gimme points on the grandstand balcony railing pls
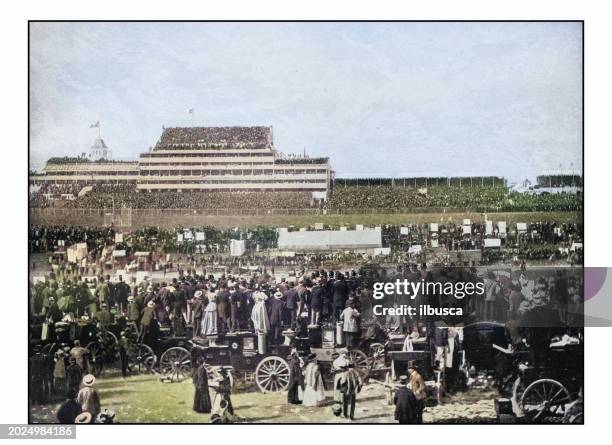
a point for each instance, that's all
(136, 212)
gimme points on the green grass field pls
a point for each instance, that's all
(169, 219)
(145, 399)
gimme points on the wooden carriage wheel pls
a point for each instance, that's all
(544, 398)
(272, 374)
(110, 338)
(141, 358)
(175, 364)
(378, 355)
(361, 362)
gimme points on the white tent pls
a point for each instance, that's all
(330, 240)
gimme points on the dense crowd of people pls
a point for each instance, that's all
(394, 198)
(126, 196)
(45, 194)
(209, 306)
(559, 180)
(214, 137)
(477, 198)
(536, 241)
(423, 181)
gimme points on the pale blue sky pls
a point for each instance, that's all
(380, 99)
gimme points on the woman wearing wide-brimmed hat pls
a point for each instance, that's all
(88, 397)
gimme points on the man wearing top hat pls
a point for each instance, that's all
(276, 313)
(405, 403)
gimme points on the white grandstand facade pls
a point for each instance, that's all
(200, 159)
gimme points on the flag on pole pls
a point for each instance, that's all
(96, 125)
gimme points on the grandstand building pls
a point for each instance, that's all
(198, 159)
(228, 158)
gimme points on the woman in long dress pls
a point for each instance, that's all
(209, 323)
(201, 399)
(259, 314)
(314, 393)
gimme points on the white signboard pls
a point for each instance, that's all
(502, 227)
(433, 227)
(283, 229)
(179, 238)
(118, 237)
(467, 222)
(489, 227)
(382, 251)
(302, 229)
(434, 243)
(118, 253)
(404, 231)
(359, 227)
(343, 229)
(200, 236)
(77, 252)
(415, 249)
(318, 226)
(188, 235)
(467, 230)
(237, 247)
(575, 246)
(492, 242)
(521, 227)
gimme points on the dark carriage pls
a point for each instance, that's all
(64, 333)
(239, 353)
(102, 344)
(478, 341)
(546, 385)
(369, 354)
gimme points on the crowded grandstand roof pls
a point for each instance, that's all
(215, 137)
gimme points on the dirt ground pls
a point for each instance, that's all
(145, 399)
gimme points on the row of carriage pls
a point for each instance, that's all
(539, 392)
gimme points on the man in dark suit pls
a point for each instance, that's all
(122, 292)
(340, 295)
(291, 303)
(197, 310)
(405, 403)
(316, 302)
(276, 311)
